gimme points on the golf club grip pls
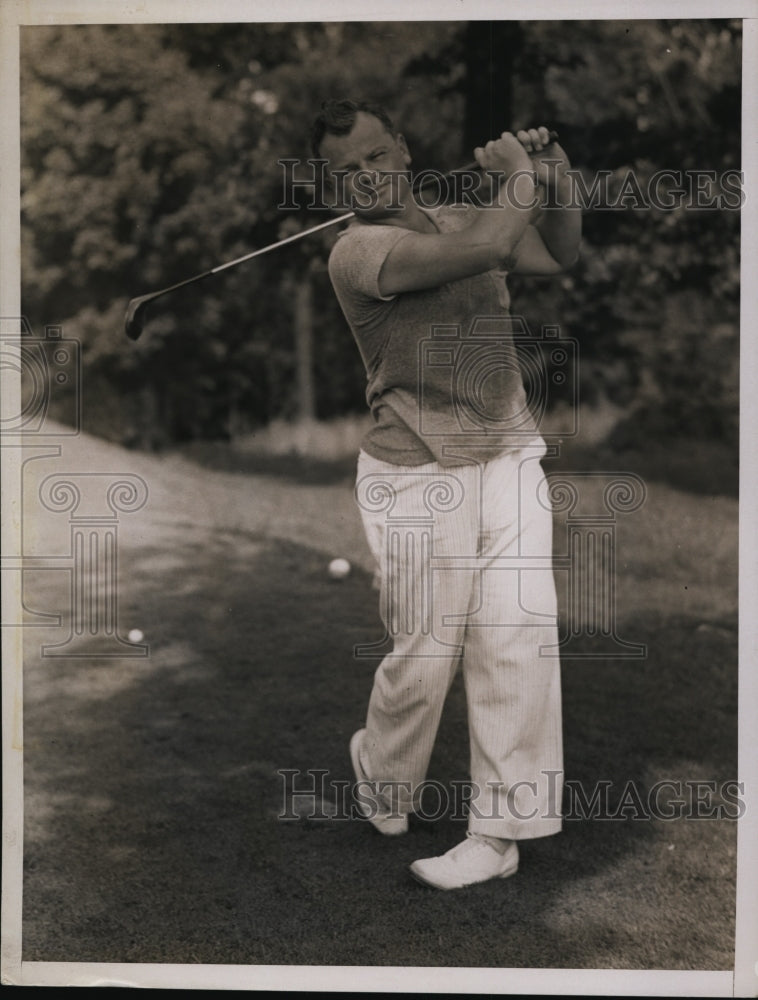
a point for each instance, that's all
(475, 165)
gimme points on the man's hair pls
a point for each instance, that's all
(338, 118)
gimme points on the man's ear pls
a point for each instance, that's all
(400, 140)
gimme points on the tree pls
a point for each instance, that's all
(655, 299)
(150, 153)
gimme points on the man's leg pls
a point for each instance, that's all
(430, 512)
(512, 688)
(513, 692)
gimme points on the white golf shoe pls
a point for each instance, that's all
(472, 861)
(370, 803)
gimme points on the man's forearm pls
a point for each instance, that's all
(503, 226)
(561, 226)
(426, 260)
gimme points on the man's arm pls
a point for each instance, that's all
(426, 260)
(551, 245)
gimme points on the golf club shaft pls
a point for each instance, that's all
(262, 250)
(135, 308)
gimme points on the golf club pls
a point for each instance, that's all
(135, 311)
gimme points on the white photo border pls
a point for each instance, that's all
(743, 981)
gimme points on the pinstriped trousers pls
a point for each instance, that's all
(465, 576)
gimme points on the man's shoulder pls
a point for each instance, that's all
(365, 240)
(450, 217)
(345, 243)
(358, 256)
(359, 231)
(366, 229)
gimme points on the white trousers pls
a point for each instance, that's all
(464, 559)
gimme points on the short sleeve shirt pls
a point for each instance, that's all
(443, 378)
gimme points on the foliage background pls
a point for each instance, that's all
(150, 154)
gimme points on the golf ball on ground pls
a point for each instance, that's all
(339, 569)
(135, 635)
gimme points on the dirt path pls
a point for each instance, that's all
(182, 499)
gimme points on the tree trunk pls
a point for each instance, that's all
(303, 322)
(491, 48)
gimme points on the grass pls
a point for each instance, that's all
(153, 786)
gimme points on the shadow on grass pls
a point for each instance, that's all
(224, 457)
(154, 794)
(707, 468)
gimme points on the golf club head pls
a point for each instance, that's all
(135, 317)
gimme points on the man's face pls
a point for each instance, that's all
(367, 168)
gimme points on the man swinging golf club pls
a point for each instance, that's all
(424, 292)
